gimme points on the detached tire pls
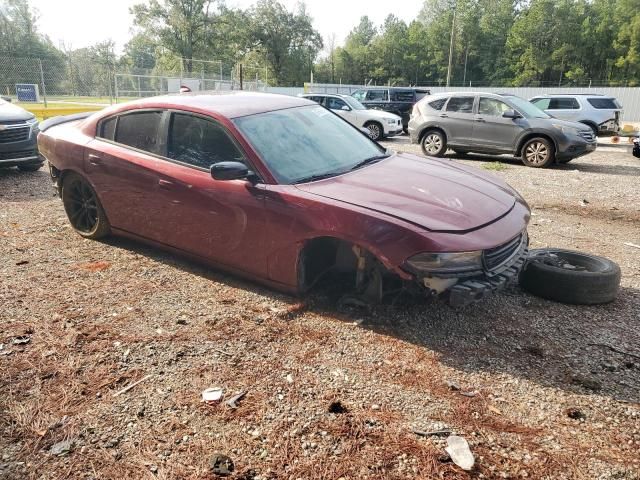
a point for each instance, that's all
(83, 208)
(569, 276)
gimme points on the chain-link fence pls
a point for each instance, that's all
(78, 77)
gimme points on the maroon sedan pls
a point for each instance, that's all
(283, 191)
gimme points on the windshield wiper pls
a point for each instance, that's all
(367, 161)
(320, 176)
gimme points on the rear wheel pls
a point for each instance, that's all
(538, 153)
(83, 208)
(30, 167)
(375, 130)
(434, 143)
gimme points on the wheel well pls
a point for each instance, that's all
(590, 124)
(369, 122)
(535, 135)
(431, 129)
(322, 255)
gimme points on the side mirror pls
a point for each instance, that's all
(345, 108)
(230, 171)
(511, 114)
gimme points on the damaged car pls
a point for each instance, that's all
(282, 191)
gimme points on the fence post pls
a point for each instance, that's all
(115, 81)
(44, 87)
(241, 77)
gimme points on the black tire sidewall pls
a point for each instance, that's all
(102, 227)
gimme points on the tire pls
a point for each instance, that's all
(33, 167)
(434, 143)
(83, 208)
(590, 281)
(538, 153)
(376, 132)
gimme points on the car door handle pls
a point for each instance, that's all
(94, 159)
(166, 184)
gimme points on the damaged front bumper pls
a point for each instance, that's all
(501, 267)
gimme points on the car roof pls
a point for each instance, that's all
(548, 95)
(228, 104)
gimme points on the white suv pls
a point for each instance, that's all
(380, 124)
(603, 114)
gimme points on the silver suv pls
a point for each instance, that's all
(602, 114)
(496, 124)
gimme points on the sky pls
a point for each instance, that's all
(80, 23)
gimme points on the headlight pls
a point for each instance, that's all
(446, 262)
(570, 130)
(391, 121)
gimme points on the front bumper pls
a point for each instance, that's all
(573, 146)
(392, 129)
(23, 152)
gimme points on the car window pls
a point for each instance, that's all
(438, 104)
(420, 94)
(140, 130)
(563, 104)
(460, 104)
(200, 142)
(541, 103)
(378, 95)
(492, 107)
(603, 103)
(403, 96)
(359, 95)
(315, 98)
(108, 128)
(335, 103)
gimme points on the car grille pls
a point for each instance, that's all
(496, 257)
(587, 135)
(17, 154)
(14, 134)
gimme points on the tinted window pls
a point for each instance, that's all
(438, 104)
(403, 96)
(359, 95)
(563, 104)
(108, 128)
(377, 95)
(315, 99)
(541, 103)
(603, 103)
(492, 107)
(335, 103)
(460, 104)
(140, 130)
(200, 142)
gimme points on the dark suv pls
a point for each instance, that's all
(18, 133)
(397, 100)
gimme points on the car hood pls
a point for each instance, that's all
(433, 194)
(12, 113)
(380, 114)
(549, 122)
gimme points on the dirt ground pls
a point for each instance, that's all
(539, 389)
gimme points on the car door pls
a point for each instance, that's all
(221, 220)
(340, 107)
(564, 108)
(121, 163)
(457, 118)
(377, 99)
(491, 129)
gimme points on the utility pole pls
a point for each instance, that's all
(453, 27)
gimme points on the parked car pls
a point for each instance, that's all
(280, 190)
(18, 132)
(379, 124)
(603, 114)
(396, 100)
(496, 124)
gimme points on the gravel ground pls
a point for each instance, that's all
(533, 385)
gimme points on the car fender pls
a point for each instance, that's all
(431, 125)
(531, 132)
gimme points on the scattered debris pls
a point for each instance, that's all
(181, 321)
(453, 386)
(575, 414)
(422, 433)
(126, 389)
(472, 393)
(493, 409)
(94, 266)
(22, 262)
(232, 402)
(61, 448)
(337, 407)
(221, 465)
(22, 340)
(223, 352)
(459, 451)
(290, 378)
(629, 244)
(584, 203)
(212, 395)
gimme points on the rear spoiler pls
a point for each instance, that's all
(52, 122)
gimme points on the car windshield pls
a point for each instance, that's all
(528, 109)
(307, 143)
(353, 103)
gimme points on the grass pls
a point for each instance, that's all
(495, 166)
